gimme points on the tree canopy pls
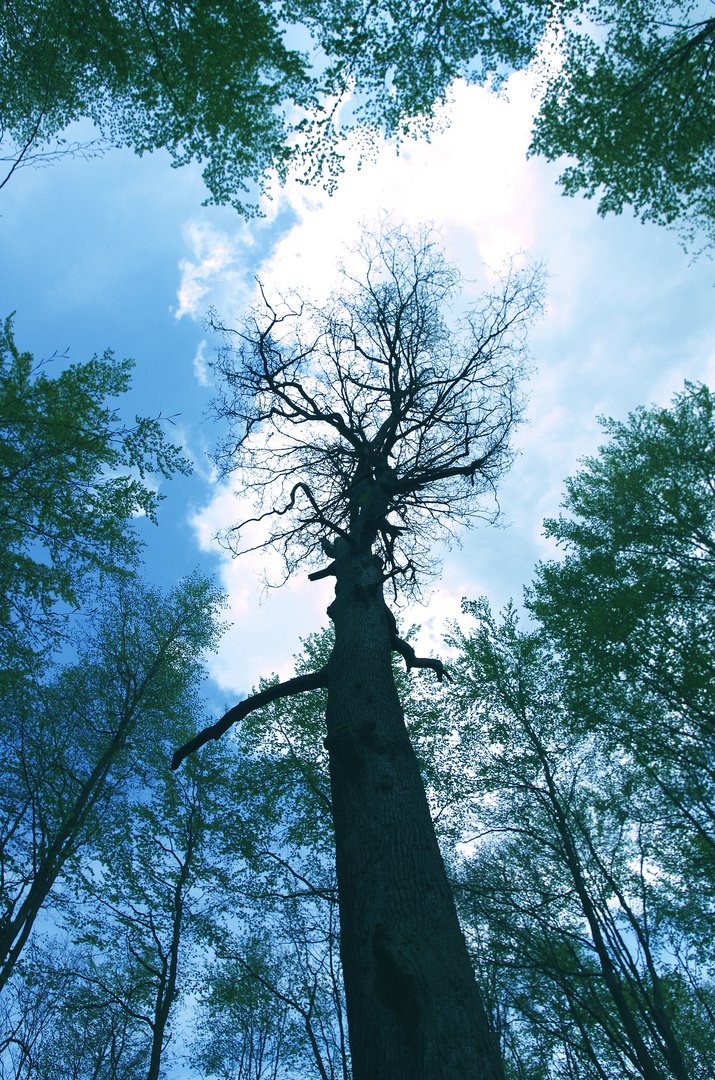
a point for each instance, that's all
(246, 88)
(630, 607)
(71, 741)
(72, 478)
(586, 913)
(631, 102)
(254, 90)
(632, 601)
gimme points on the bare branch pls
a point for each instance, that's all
(412, 660)
(392, 423)
(315, 680)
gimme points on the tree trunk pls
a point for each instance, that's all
(166, 990)
(16, 931)
(414, 1010)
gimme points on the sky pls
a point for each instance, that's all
(118, 252)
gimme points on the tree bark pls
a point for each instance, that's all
(414, 1010)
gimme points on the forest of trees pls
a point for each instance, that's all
(500, 864)
(154, 919)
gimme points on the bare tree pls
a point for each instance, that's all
(370, 429)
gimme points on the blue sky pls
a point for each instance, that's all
(118, 252)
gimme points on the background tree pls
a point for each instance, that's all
(639, 545)
(590, 890)
(630, 102)
(152, 896)
(370, 429)
(245, 1030)
(66, 1019)
(289, 889)
(579, 903)
(250, 89)
(72, 748)
(72, 477)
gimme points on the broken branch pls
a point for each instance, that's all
(315, 680)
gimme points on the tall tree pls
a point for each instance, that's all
(245, 1030)
(288, 885)
(250, 88)
(631, 604)
(371, 428)
(595, 742)
(575, 881)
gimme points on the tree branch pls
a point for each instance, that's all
(412, 660)
(327, 571)
(305, 488)
(315, 680)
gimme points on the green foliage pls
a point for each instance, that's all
(631, 102)
(630, 606)
(72, 477)
(640, 547)
(589, 892)
(251, 89)
(219, 82)
(576, 897)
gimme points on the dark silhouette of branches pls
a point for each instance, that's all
(374, 421)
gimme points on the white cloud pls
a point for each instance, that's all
(202, 371)
(214, 268)
(267, 624)
(472, 180)
(628, 317)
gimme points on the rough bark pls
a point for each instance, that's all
(413, 1005)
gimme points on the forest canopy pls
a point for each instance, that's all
(257, 90)
(631, 106)
(250, 88)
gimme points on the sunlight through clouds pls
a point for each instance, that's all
(471, 180)
(627, 318)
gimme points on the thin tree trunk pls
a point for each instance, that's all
(642, 1056)
(414, 1010)
(17, 930)
(166, 991)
